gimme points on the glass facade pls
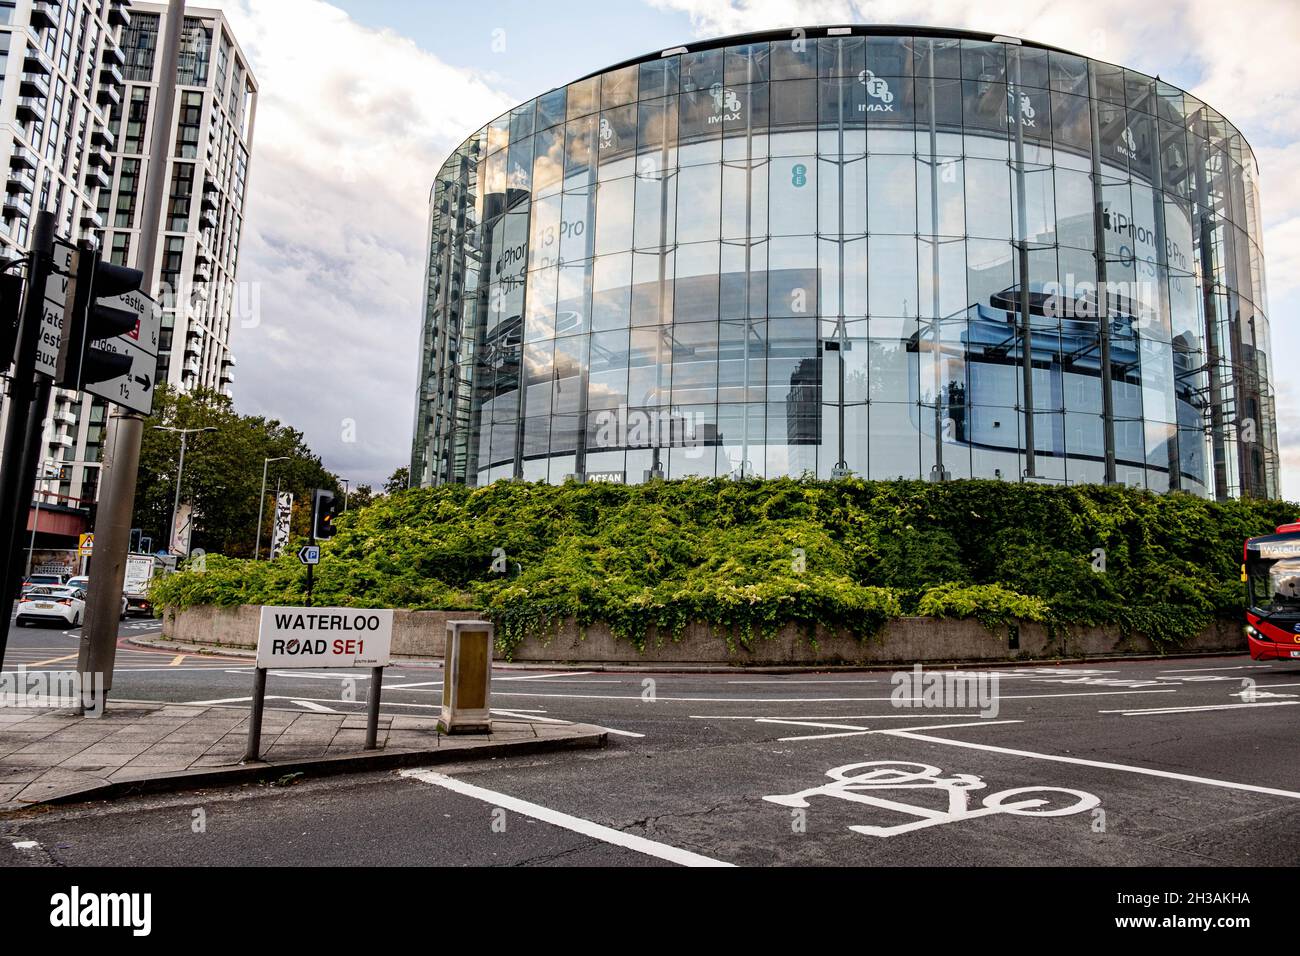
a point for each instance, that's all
(927, 256)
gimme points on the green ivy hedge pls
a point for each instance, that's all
(753, 555)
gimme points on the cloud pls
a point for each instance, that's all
(352, 125)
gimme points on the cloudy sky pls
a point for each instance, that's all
(361, 100)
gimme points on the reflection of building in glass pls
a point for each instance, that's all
(872, 252)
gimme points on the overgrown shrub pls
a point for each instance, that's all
(752, 555)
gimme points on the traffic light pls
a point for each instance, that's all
(324, 509)
(85, 356)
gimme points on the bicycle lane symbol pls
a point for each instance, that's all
(878, 776)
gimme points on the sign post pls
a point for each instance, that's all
(307, 637)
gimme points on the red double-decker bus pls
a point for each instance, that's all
(1271, 572)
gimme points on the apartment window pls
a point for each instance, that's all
(178, 208)
(188, 123)
(139, 44)
(137, 119)
(128, 183)
(196, 42)
(121, 251)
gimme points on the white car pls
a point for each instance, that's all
(48, 602)
(82, 582)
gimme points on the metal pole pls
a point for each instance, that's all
(937, 473)
(36, 523)
(1103, 293)
(17, 483)
(125, 428)
(372, 706)
(261, 505)
(1026, 330)
(255, 716)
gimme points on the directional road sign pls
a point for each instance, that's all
(56, 301)
(309, 554)
(134, 389)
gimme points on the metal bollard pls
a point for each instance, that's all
(467, 678)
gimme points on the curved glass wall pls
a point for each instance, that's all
(834, 255)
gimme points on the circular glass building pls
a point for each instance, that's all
(886, 252)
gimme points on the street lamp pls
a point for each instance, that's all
(346, 485)
(185, 433)
(45, 475)
(261, 503)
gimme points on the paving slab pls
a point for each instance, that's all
(62, 756)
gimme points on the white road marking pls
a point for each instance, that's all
(1099, 764)
(596, 831)
(312, 705)
(832, 717)
(1206, 670)
(1191, 710)
(784, 700)
(521, 715)
(544, 676)
(26, 845)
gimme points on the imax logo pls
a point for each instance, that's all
(76, 909)
(877, 89)
(726, 104)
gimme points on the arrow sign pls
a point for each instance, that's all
(309, 554)
(133, 388)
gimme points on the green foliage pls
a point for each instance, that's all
(750, 556)
(991, 604)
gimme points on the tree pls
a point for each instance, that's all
(399, 480)
(223, 472)
(360, 496)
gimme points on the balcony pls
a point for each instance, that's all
(90, 219)
(98, 177)
(193, 342)
(44, 15)
(109, 95)
(28, 110)
(112, 55)
(111, 75)
(103, 136)
(22, 158)
(16, 206)
(117, 14)
(34, 87)
(37, 61)
(63, 441)
(202, 273)
(209, 220)
(210, 200)
(98, 156)
(21, 181)
(201, 254)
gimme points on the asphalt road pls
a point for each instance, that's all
(1171, 762)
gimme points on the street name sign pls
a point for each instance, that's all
(309, 554)
(324, 637)
(52, 308)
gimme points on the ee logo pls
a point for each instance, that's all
(799, 175)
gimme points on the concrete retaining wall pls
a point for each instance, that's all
(905, 640)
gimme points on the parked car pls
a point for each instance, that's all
(46, 603)
(32, 580)
(82, 582)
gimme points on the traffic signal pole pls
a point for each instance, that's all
(98, 648)
(23, 417)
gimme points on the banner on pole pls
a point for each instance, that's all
(280, 532)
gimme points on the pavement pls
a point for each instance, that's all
(1168, 762)
(57, 755)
